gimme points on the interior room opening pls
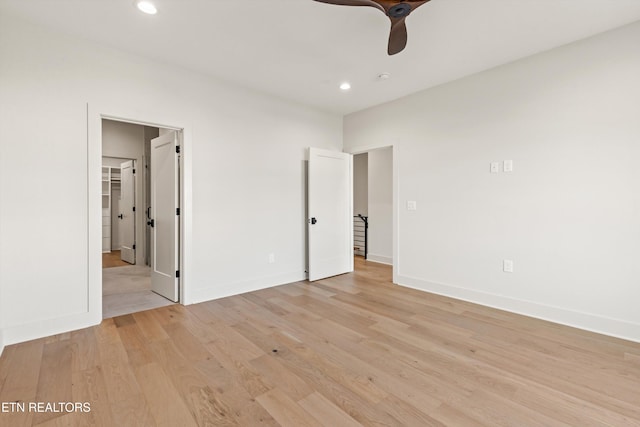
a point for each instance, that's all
(373, 207)
(126, 232)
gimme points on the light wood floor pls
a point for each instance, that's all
(112, 259)
(346, 351)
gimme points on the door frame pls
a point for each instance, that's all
(395, 208)
(95, 113)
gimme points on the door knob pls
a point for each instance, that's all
(120, 216)
(313, 221)
(151, 222)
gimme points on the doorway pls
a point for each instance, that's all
(373, 201)
(127, 285)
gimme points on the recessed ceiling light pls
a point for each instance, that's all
(147, 7)
(345, 86)
(384, 76)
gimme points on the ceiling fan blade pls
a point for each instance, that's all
(397, 37)
(370, 3)
(396, 10)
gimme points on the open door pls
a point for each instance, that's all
(330, 207)
(164, 216)
(127, 216)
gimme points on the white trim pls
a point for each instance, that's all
(96, 113)
(577, 319)
(380, 259)
(395, 261)
(395, 213)
(47, 327)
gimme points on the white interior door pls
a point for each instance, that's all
(330, 208)
(127, 227)
(164, 220)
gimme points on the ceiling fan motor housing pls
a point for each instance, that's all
(400, 10)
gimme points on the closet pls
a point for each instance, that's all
(110, 184)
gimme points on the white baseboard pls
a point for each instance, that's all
(380, 259)
(236, 288)
(44, 328)
(587, 321)
(26, 332)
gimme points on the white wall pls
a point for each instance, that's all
(243, 175)
(380, 198)
(360, 184)
(127, 141)
(1, 324)
(1, 268)
(569, 213)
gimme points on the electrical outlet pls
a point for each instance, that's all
(507, 266)
(495, 167)
(272, 258)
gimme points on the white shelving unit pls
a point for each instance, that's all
(110, 175)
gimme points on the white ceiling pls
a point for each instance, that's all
(301, 49)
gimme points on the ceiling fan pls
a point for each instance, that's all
(396, 10)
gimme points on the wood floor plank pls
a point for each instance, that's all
(65, 420)
(239, 368)
(84, 350)
(326, 412)
(181, 371)
(275, 373)
(22, 366)
(113, 259)
(89, 387)
(189, 346)
(285, 411)
(118, 373)
(210, 409)
(348, 350)
(450, 416)
(407, 413)
(54, 381)
(126, 401)
(358, 377)
(151, 329)
(136, 345)
(355, 405)
(244, 407)
(165, 403)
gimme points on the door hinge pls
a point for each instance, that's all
(177, 274)
(134, 246)
(178, 149)
(134, 208)
(177, 211)
(134, 171)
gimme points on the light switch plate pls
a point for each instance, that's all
(412, 205)
(508, 165)
(507, 266)
(495, 167)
